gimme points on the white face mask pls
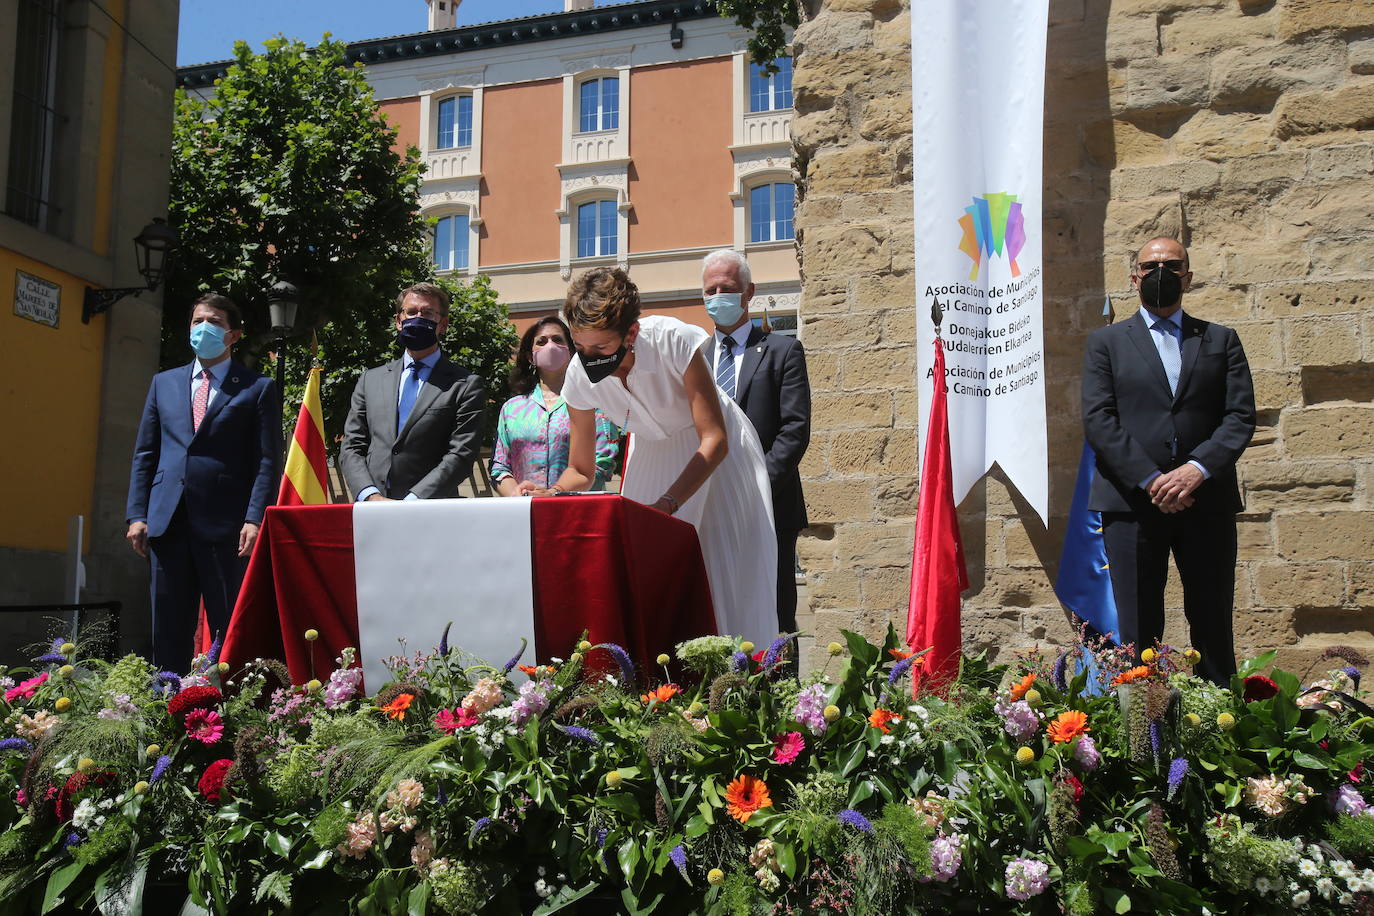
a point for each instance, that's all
(725, 309)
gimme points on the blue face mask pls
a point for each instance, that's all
(207, 340)
(725, 309)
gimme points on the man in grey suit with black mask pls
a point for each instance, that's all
(415, 424)
(1168, 406)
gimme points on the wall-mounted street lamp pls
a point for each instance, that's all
(153, 248)
(675, 35)
(282, 301)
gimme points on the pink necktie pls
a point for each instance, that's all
(201, 401)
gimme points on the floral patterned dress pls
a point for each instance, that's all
(532, 441)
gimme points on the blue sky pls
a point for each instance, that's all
(209, 28)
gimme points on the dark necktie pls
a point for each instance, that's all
(725, 369)
(410, 391)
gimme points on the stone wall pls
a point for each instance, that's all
(1243, 127)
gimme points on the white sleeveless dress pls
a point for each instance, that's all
(733, 509)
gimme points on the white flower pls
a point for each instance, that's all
(1343, 868)
(1345, 899)
(84, 815)
(1308, 869)
(1354, 883)
(1315, 852)
(1301, 898)
(1262, 885)
(886, 739)
(1326, 887)
(542, 889)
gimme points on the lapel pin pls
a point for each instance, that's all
(758, 349)
(234, 379)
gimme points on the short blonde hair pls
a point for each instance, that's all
(602, 299)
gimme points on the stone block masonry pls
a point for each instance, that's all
(1241, 126)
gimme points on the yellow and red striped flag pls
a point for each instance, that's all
(305, 480)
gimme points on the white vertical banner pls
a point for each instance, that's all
(978, 90)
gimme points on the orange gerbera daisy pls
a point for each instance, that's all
(1134, 674)
(1020, 689)
(746, 795)
(880, 717)
(1067, 726)
(396, 709)
(662, 694)
(900, 654)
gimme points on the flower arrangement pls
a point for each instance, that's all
(590, 785)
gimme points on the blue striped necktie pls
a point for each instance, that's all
(725, 369)
(1169, 351)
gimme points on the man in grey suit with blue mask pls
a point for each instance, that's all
(765, 373)
(206, 466)
(414, 425)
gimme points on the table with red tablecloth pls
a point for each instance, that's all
(623, 572)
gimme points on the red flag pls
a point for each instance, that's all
(938, 573)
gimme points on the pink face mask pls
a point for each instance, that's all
(552, 357)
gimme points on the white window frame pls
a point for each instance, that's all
(436, 102)
(767, 181)
(772, 89)
(444, 210)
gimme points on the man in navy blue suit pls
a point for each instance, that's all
(1169, 407)
(765, 373)
(205, 469)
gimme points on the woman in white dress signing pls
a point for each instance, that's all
(693, 452)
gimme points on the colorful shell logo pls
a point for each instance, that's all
(993, 225)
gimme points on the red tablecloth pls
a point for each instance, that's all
(626, 573)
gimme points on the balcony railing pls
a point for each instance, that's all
(762, 127)
(451, 163)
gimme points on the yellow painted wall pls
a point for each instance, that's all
(49, 411)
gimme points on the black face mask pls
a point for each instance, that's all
(419, 334)
(1161, 288)
(598, 367)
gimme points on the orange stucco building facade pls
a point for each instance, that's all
(635, 134)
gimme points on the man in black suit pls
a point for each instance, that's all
(766, 375)
(1168, 406)
(206, 466)
(415, 424)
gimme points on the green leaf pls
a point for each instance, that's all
(1117, 900)
(417, 904)
(278, 843)
(628, 857)
(787, 859)
(58, 882)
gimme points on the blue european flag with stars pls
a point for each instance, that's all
(1084, 584)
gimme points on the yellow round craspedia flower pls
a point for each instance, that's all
(63, 704)
(1192, 656)
(663, 658)
(68, 649)
(153, 750)
(1193, 719)
(576, 658)
(312, 635)
(746, 646)
(1226, 721)
(222, 667)
(1149, 656)
(1025, 756)
(313, 685)
(86, 765)
(141, 787)
(66, 671)
(831, 713)
(834, 648)
(614, 779)
(696, 708)
(1033, 698)
(584, 646)
(715, 877)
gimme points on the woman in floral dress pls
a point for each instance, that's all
(532, 433)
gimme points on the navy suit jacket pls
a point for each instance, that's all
(1132, 420)
(775, 393)
(227, 471)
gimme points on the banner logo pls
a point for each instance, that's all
(993, 225)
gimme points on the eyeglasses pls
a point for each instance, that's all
(427, 314)
(1175, 265)
(554, 338)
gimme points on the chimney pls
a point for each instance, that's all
(570, 5)
(443, 14)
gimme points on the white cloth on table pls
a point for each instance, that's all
(733, 509)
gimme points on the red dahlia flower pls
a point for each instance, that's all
(1259, 687)
(211, 784)
(193, 698)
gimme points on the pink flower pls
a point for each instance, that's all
(787, 747)
(26, 689)
(204, 725)
(450, 721)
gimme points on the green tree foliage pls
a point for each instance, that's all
(769, 20)
(288, 171)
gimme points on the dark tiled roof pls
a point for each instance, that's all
(547, 27)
